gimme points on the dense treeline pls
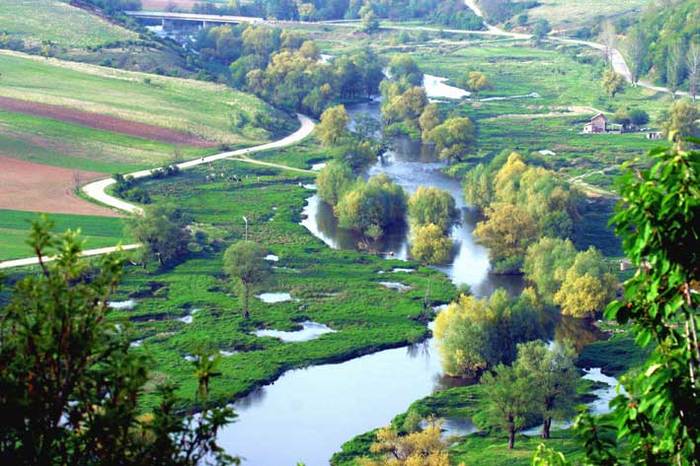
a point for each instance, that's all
(665, 44)
(286, 70)
(452, 13)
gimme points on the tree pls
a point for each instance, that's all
(453, 137)
(372, 206)
(244, 261)
(432, 205)
(674, 68)
(540, 30)
(333, 125)
(636, 52)
(507, 232)
(693, 65)
(475, 334)
(71, 387)
(613, 82)
(425, 447)
(508, 397)
(478, 186)
(608, 36)
(429, 244)
(162, 231)
(429, 119)
(546, 263)
(587, 286)
(681, 122)
(403, 68)
(333, 181)
(477, 82)
(553, 378)
(368, 19)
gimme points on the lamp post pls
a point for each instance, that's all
(245, 219)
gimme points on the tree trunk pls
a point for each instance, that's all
(546, 426)
(511, 436)
(246, 298)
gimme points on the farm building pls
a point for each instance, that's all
(598, 124)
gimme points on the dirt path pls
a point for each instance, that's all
(97, 189)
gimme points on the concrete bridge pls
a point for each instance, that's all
(167, 18)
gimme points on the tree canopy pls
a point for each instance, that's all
(71, 386)
(244, 262)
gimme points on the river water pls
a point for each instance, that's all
(307, 414)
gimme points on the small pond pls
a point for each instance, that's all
(309, 331)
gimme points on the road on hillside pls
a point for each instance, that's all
(96, 190)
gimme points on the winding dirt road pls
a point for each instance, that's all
(96, 189)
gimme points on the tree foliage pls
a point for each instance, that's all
(430, 244)
(71, 387)
(372, 206)
(244, 262)
(162, 231)
(552, 380)
(432, 205)
(333, 125)
(475, 334)
(453, 138)
(333, 181)
(508, 398)
(612, 82)
(425, 447)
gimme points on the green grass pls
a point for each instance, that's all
(566, 14)
(331, 286)
(203, 109)
(68, 145)
(616, 355)
(97, 231)
(35, 21)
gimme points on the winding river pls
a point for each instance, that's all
(307, 414)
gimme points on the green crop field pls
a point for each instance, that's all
(35, 21)
(96, 231)
(68, 145)
(566, 14)
(210, 111)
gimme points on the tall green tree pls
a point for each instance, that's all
(162, 230)
(613, 83)
(244, 262)
(552, 383)
(333, 125)
(334, 180)
(509, 399)
(546, 263)
(432, 205)
(453, 138)
(71, 388)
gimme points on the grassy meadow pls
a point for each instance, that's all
(36, 21)
(564, 14)
(210, 111)
(96, 231)
(68, 145)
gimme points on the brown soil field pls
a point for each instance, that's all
(103, 122)
(41, 188)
